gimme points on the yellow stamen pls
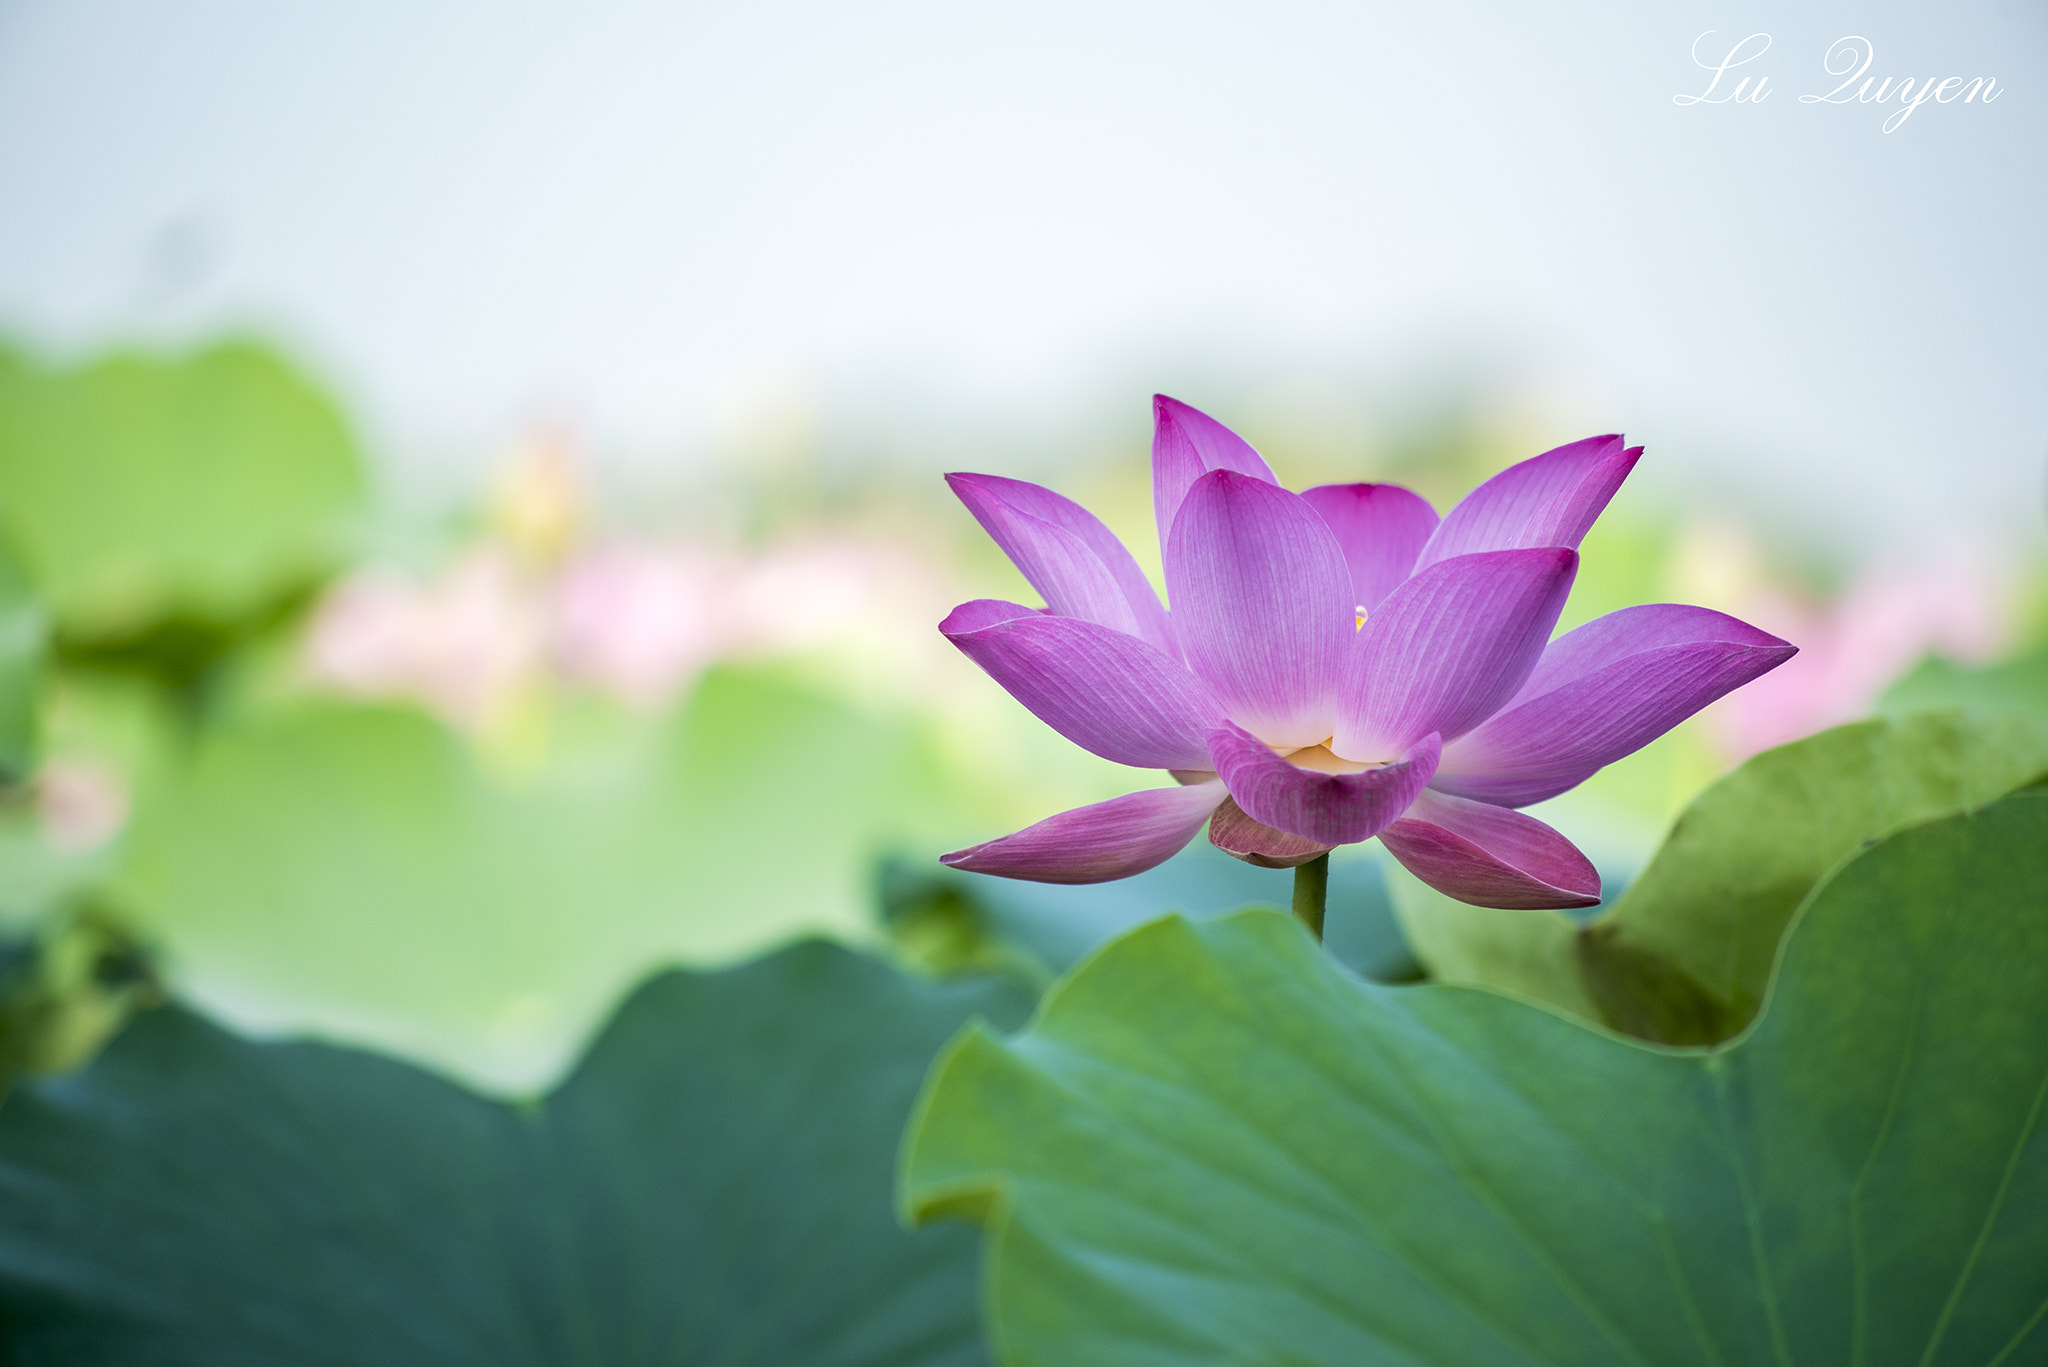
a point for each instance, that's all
(1359, 625)
(1323, 760)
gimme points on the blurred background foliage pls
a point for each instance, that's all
(449, 784)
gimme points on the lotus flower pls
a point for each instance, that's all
(1338, 665)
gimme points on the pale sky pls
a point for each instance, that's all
(957, 227)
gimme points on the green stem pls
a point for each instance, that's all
(1311, 890)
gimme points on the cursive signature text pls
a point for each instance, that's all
(1848, 60)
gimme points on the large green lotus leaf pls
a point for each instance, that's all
(141, 488)
(711, 1185)
(1684, 956)
(367, 872)
(1214, 1145)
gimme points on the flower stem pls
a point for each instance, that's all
(1311, 890)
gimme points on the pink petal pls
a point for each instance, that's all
(985, 612)
(1449, 647)
(1547, 500)
(1602, 692)
(1332, 808)
(1490, 856)
(1186, 444)
(1262, 604)
(1382, 528)
(1237, 835)
(1096, 844)
(1599, 643)
(1066, 553)
(1109, 693)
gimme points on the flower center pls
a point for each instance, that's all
(1360, 614)
(1323, 760)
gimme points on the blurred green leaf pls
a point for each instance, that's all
(2019, 685)
(1684, 956)
(143, 491)
(23, 629)
(1214, 1146)
(369, 871)
(104, 742)
(710, 1185)
(1529, 954)
(65, 990)
(968, 918)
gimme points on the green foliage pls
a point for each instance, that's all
(1530, 954)
(376, 873)
(2019, 685)
(950, 918)
(710, 1185)
(23, 629)
(176, 496)
(1214, 1145)
(104, 741)
(63, 992)
(1684, 956)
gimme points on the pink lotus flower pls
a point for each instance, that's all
(1338, 665)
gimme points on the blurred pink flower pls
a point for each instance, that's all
(81, 804)
(460, 644)
(1854, 646)
(642, 621)
(797, 597)
(638, 621)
